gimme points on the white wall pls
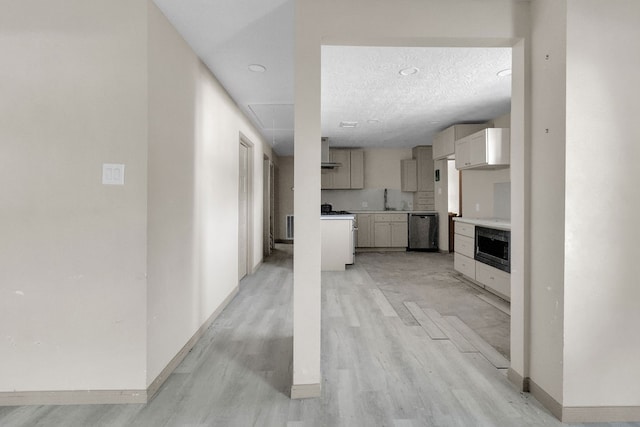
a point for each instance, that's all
(503, 121)
(362, 22)
(306, 251)
(453, 184)
(194, 136)
(73, 251)
(478, 186)
(111, 82)
(547, 237)
(601, 273)
(442, 196)
(478, 191)
(285, 194)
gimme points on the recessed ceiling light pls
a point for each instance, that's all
(373, 121)
(408, 71)
(348, 124)
(504, 73)
(257, 68)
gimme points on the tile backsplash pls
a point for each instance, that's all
(355, 200)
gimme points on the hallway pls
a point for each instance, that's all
(377, 370)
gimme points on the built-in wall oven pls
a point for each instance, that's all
(493, 247)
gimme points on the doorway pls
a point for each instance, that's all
(243, 210)
(268, 213)
(420, 123)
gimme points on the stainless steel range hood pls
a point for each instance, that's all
(326, 164)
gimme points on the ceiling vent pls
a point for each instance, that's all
(348, 125)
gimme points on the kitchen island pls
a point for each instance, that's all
(338, 241)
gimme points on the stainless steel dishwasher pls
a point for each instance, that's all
(423, 231)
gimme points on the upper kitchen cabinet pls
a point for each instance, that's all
(350, 172)
(424, 166)
(423, 198)
(409, 175)
(487, 149)
(444, 142)
(357, 169)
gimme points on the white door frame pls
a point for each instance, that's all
(244, 142)
(267, 205)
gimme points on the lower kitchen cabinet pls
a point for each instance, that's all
(400, 234)
(364, 222)
(463, 261)
(390, 230)
(383, 230)
(493, 279)
(382, 234)
(337, 243)
(464, 245)
(465, 265)
(490, 278)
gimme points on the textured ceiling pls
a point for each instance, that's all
(451, 85)
(358, 83)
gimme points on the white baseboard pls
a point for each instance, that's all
(601, 414)
(576, 414)
(305, 391)
(106, 397)
(518, 380)
(178, 358)
(72, 397)
(546, 399)
(256, 267)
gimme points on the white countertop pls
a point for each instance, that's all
(346, 216)
(500, 224)
(392, 211)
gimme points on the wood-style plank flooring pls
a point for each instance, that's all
(377, 369)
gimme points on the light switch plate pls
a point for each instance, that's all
(112, 174)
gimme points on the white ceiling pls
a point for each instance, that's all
(358, 83)
(451, 85)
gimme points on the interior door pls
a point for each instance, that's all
(272, 205)
(266, 209)
(243, 211)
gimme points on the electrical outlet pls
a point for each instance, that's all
(477, 207)
(365, 204)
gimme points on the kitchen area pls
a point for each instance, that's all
(408, 218)
(426, 222)
(378, 218)
(429, 228)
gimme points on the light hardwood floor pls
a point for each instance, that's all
(377, 370)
